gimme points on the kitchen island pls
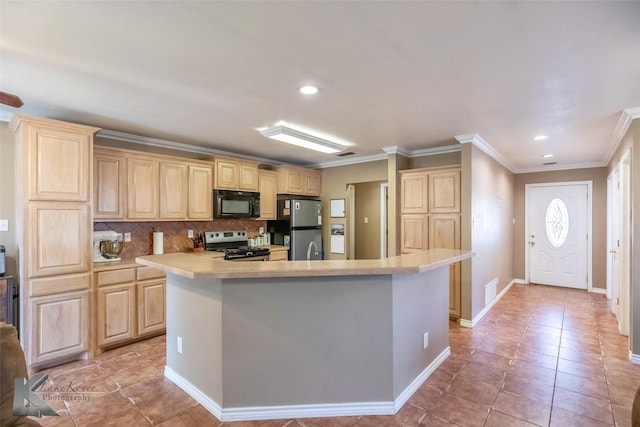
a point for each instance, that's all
(285, 339)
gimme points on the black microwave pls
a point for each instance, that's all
(236, 204)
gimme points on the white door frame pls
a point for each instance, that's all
(384, 190)
(527, 248)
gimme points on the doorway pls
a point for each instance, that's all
(619, 243)
(367, 220)
(558, 234)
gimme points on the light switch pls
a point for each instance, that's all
(4, 225)
(366, 220)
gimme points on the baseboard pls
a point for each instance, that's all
(634, 358)
(305, 411)
(420, 379)
(598, 291)
(472, 323)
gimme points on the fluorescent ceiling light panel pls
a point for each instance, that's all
(540, 137)
(302, 139)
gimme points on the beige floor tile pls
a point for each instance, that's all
(161, 407)
(523, 408)
(592, 387)
(461, 411)
(474, 390)
(498, 419)
(528, 387)
(563, 418)
(598, 409)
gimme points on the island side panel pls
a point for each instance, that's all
(194, 313)
(308, 340)
(420, 304)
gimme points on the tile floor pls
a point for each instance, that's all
(542, 356)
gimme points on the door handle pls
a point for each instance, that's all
(532, 243)
(613, 251)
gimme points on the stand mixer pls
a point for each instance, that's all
(99, 236)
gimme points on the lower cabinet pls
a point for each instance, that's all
(130, 305)
(60, 326)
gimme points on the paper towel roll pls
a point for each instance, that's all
(158, 244)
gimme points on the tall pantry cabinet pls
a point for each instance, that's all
(430, 217)
(53, 223)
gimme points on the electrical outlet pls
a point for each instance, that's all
(190, 234)
(127, 237)
(366, 220)
(4, 225)
(180, 345)
(425, 340)
(261, 230)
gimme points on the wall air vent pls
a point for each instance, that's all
(550, 163)
(348, 153)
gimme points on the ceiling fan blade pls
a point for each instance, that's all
(11, 100)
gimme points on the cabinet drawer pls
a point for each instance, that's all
(56, 284)
(113, 277)
(279, 256)
(146, 273)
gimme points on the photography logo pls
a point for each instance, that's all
(26, 402)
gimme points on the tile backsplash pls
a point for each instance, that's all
(175, 233)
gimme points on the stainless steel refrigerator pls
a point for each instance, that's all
(301, 220)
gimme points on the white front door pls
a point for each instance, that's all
(558, 234)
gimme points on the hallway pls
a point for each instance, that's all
(542, 356)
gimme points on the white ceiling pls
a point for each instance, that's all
(389, 73)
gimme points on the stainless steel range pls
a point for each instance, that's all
(235, 245)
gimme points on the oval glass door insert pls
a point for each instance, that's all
(557, 222)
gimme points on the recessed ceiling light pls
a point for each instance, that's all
(540, 137)
(546, 156)
(309, 90)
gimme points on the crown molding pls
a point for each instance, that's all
(351, 161)
(627, 116)
(475, 139)
(553, 168)
(396, 149)
(173, 145)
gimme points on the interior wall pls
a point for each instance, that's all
(598, 176)
(444, 159)
(492, 229)
(367, 242)
(7, 197)
(334, 186)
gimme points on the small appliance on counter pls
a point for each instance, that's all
(235, 245)
(107, 246)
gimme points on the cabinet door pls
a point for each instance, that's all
(414, 193)
(59, 164)
(116, 313)
(444, 192)
(59, 325)
(268, 194)
(414, 232)
(312, 183)
(200, 192)
(291, 181)
(59, 238)
(226, 174)
(108, 186)
(151, 307)
(247, 177)
(142, 188)
(444, 231)
(174, 181)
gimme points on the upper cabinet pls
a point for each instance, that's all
(415, 191)
(294, 180)
(59, 160)
(142, 188)
(234, 174)
(445, 191)
(268, 186)
(134, 186)
(108, 185)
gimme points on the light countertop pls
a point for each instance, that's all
(131, 262)
(202, 265)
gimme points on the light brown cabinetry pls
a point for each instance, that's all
(54, 163)
(174, 190)
(130, 304)
(268, 187)
(131, 186)
(200, 192)
(108, 185)
(142, 188)
(233, 174)
(293, 180)
(430, 217)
